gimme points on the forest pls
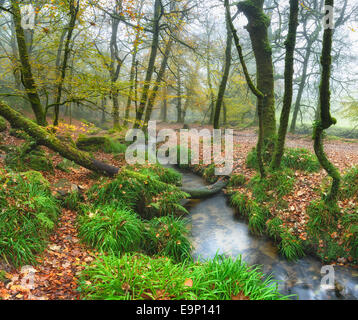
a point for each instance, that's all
(178, 150)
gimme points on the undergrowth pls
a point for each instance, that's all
(28, 215)
(138, 277)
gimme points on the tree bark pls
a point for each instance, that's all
(26, 72)
(223, 83)
(258, 24)
(325, 119)
(45, 138)
(287, 99)
(151, 63)
(73, 16)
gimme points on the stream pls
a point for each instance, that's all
(214, 229)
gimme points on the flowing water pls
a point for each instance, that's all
(215, 229)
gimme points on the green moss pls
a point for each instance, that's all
(350, 184)
(100, 143)
(3, 125)
(145, 194)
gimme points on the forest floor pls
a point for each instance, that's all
(54, 277)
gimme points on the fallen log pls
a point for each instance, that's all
(48, 139)
(207, 191)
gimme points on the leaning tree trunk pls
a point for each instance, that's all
(258, 24)
(325, 118)
(26, 72)
(45, 138)
(287, 99)
(73, 12)
(224, 79)
(151, 63)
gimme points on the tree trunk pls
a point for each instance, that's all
(160, 76)
(222, 87)
(257, 27)
(26, 72)
(325, 119)
(151, 63)
(73, 12)
(45, 138)
(287, 99)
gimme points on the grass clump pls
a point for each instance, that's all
(256, 214)
(349, 188)
(237, 180)
(167, 236)
(300, 159)
(28, 215)
(209, 174)
(333, 234)
(110, 228)
(276, 185)
(293, 158)
(139, 277)
(156, 171)
(144, 194)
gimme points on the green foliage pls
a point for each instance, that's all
(3, 125)
(257, 215)
(28, 215)
(65, 165)
(333, 234)
(156, 171)
(71, 201)
(167, 236)
(237, 180)
(274, 227)
(290, 246)
(18, 133)
(138, 277)
(300, 159)
(349, 188)
(276, 185)
(209, 174)
(19, 159)
(100, 143)
(293, 158)
(146, 195)
(110, 228)
(186, 163)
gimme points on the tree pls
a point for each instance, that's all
(287, 100)
(258, 24)
(226, 71)
(325, 119)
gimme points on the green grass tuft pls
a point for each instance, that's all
(167, 236)
(115, 229)
(138, 277)
(28, 215)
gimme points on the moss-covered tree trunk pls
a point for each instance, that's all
(151, 63)
(258, 24)
(224, 79)
(290, 45)
(71, 26)
(26, 72)
(45, 138)
(160, 76)
(260, 96)
(325, 118)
